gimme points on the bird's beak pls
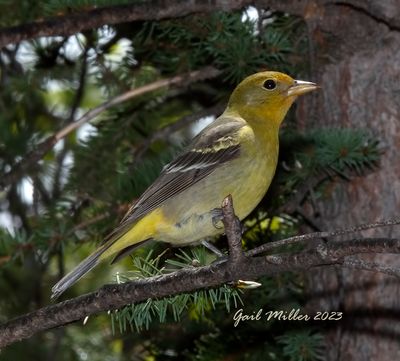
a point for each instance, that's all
(301, 87)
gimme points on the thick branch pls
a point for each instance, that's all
(146, 10)
(41, 149)
(157, 10)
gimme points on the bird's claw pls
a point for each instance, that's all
(217, 216)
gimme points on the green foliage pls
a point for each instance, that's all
(305, 345)
(27, 11)
(345, 149)
(12, 246)
(234, 47)
(331, 151)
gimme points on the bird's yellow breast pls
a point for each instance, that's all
(246, 178)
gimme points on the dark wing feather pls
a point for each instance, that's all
(211, 148)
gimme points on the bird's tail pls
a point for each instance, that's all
(119, 243)
(104, 251)
(78, 272)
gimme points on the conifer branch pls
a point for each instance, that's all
(72, 23)
(196, 75)
(111, 297)
(141, 11)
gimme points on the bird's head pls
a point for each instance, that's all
(267, 96)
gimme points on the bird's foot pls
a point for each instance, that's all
(217, 216)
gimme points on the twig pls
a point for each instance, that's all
(34, 156)
(197, 75)
(308, 220)
(327, 234)
(233, 231)
(89, 222)
(356, 263)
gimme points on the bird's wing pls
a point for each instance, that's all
(215, 145)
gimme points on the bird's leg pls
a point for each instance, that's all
(217, 217)
(212, 248)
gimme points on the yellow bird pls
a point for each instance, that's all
(237, 154)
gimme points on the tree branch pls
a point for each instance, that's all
(319, 235)
(236, 267)
(357, 263)
(233, 230)
(41, 149)
(147, 10)
(157, 10)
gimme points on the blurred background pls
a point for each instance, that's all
(338, 167)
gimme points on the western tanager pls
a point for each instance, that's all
(237, 154)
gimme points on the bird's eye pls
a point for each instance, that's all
(269, 84)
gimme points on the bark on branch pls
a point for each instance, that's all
(146, 10)
(157, 10)
(233, 230)
(236, 267)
